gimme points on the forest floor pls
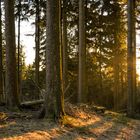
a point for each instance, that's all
(82, 123)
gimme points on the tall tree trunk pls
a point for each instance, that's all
(130, 59)
(19, 68)
(64, 44)
(53, 105)
(116, 65)
(82, 52)
(11, 75)
(100, 67)
(116, 78)
(37, 41)
(1, 58)
(134, 56)
(100, 55)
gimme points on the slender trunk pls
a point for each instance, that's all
(100, 69)
(82, 52)
(116, 65)
(100, 55)
(1, 59)
(62, 88)
(19, 68)
(64, 44)
(130, 59)
(117, 53)
(134, 57)
(116, 77)
(11, 75)
(37, 41)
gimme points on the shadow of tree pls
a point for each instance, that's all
(99, 129)
(19, 127)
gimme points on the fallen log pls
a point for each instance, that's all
(98, 109)
(31, 103)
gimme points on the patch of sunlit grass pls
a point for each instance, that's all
(117, 117)
(3, 116)
(78, 122)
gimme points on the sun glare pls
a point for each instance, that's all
(138, 68)
(138, 55)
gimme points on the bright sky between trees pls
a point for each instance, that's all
(27, 39)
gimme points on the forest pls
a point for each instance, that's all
(84, 82)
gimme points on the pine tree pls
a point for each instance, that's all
(1, 58)
(64, 44)
(131, 59)
(82, 52)
(53, 106)
(11, 74)
(37, 41)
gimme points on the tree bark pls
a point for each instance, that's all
(82, 53)
(134, 57)
(116, 77)
(37, 42)
(1, 58)
(64, 45)
(131, 59)
(11, 74)
(19, 67)
(53, 99)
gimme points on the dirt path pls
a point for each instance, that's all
(82, 125)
